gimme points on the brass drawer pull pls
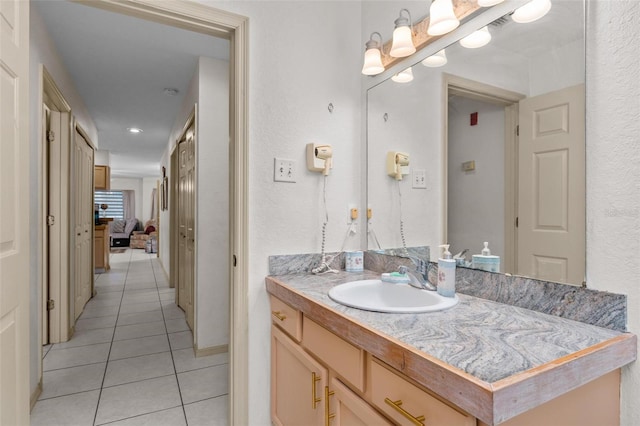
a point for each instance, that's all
(327, 416)
(278, 315)
(418, 421)
(314, 399)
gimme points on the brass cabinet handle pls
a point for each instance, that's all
(280, 316)
(418, 421)
(314, 399)
(327, 416)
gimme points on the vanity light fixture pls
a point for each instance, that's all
(531, 11)
(488, 3)
(403, 76)
(476, 39)
(402, 37)
(134, 130)
(372, 56)
(442, 19)
(436, 60)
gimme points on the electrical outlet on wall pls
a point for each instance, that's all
(284, 170)
(419, 179)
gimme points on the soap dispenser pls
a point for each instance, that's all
(446, 273)
(485, 261)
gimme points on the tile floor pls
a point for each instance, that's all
(130, 361)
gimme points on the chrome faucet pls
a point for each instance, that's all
(420, 277)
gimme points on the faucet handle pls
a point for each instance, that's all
(402, 269)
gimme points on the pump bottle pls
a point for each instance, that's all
(446, 273)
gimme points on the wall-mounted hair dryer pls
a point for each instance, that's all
(319, 158)
(395, 163)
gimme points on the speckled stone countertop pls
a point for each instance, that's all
(483, 345)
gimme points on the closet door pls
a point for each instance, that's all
(186, 224)
(82, 188)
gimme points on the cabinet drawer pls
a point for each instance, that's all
(341, 356)
(407, 404)
(287, 318)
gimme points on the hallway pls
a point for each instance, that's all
(130, 361)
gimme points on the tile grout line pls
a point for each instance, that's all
(106, 366)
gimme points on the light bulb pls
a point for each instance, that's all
(488, 3)
(531, 11)
(436, 60)
(442, 19)
(403, 76)
(476, 39)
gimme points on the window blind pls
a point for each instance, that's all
(114, 200)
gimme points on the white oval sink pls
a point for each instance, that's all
(379, 296)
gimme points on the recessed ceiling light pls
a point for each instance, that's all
(134, 130)
(169, 91)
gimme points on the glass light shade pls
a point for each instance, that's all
(476, 39)
(402, 43)
(531, 11)
(372, 62)
(403, 76)
(441, 18)
(488, 3)
(436, 60)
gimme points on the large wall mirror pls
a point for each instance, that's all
(496, 147)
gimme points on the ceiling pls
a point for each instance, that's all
(120, 66)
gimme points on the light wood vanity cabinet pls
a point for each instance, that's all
(101, 247)
(323, 381)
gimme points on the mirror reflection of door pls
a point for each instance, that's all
(522, 190)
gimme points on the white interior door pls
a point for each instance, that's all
(82, 182)
(186, 223)
(14, 212)
(551, 190)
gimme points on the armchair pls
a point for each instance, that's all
(139, 238)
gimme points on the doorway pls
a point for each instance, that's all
(210, 21)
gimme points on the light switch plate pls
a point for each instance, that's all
(284, 170)
(419, 179)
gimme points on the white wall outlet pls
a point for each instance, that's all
(284, 170)
(419, 179)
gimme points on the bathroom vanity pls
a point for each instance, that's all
(478, 363)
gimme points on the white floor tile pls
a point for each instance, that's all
(136, 347)
(170, 417)
(72, 380)
(210, 412)
(72, 357)
(87, 337)
(175, 325)
(95, 311)
(139, 307)
(94, 323)
(185, 360)
(181, 340)
(139, 368)
(72, 410)
(147, 396)
(125, 332)
(139, 317)
(172, 311)
(128, 300)
(198, 385)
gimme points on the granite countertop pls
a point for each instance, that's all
(481, 342)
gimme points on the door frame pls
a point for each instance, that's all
(233, 27)
(55, 182)
(452, 84)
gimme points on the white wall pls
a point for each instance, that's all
(148, 185)
(134, 184)
(613, 175)
(303, 55)
(560, 67)
(476, 198)
(43, 51)
(102, 157)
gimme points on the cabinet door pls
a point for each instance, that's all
(297, 384)
(351, 410)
